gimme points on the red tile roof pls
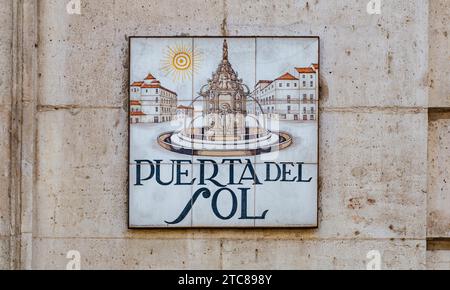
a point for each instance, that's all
(137, 84)
(157, 86)
(185, 108)
(150, 77)
(135, 103)
(316, 66)
(263, 82)
(137, 114)
(287, 77)
(305, 70)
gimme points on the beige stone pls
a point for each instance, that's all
(4, 253)
(5, 51)
(4, 173)
(439, 175)
(83, 59)
(81, 172)
(373, 136)
(438, 260)
(82, 180)
(366, 60)
(372, 172)
(224, 254)
(439, 53)
(380, 60)
(321, 254)
(127, 254)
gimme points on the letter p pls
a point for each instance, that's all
(139, 165)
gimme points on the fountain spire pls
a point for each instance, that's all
(225, 50)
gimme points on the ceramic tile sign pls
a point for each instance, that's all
(223, 132)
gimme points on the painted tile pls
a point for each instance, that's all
(153, 201)
(287, 91)
(222, 109)
(291, 200)
(226, 193)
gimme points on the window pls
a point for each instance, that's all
(304, 83)
(289, 99)
(303, 76)
(312, 110)
(157, 109)
(295, 84)
(289, 109)
(280, 85)
(304, 98)
(295, 117)
(288, 85)
(311, 84)
(304, 110)
(312, 118)
(311, 77)
(157, 91)
(156, 120)
(156, 100)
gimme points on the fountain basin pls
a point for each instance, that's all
(180, 143)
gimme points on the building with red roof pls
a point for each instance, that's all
(290, 97)
(150, 102)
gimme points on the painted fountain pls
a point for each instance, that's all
(224, 127)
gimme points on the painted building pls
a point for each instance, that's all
(150, 102)
(288, 97)
(184, 113)
(309, 90)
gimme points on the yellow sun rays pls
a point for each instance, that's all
(180, 62)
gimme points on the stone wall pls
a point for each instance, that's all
(374, 137)
(438, 256)
(6, 32)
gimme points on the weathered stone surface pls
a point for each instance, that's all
(366, 60)
(82, 177)
(81, 172)
(373, 163)
(128, 253)
(6, 33)
(372, 170)
(4, 253)
(226, 254)
(439, 175)
(359, 50)
(438, 260)
(321, 254)
(83, 59)
(439, 53)
(4, 173)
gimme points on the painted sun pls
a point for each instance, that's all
(180, 62)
